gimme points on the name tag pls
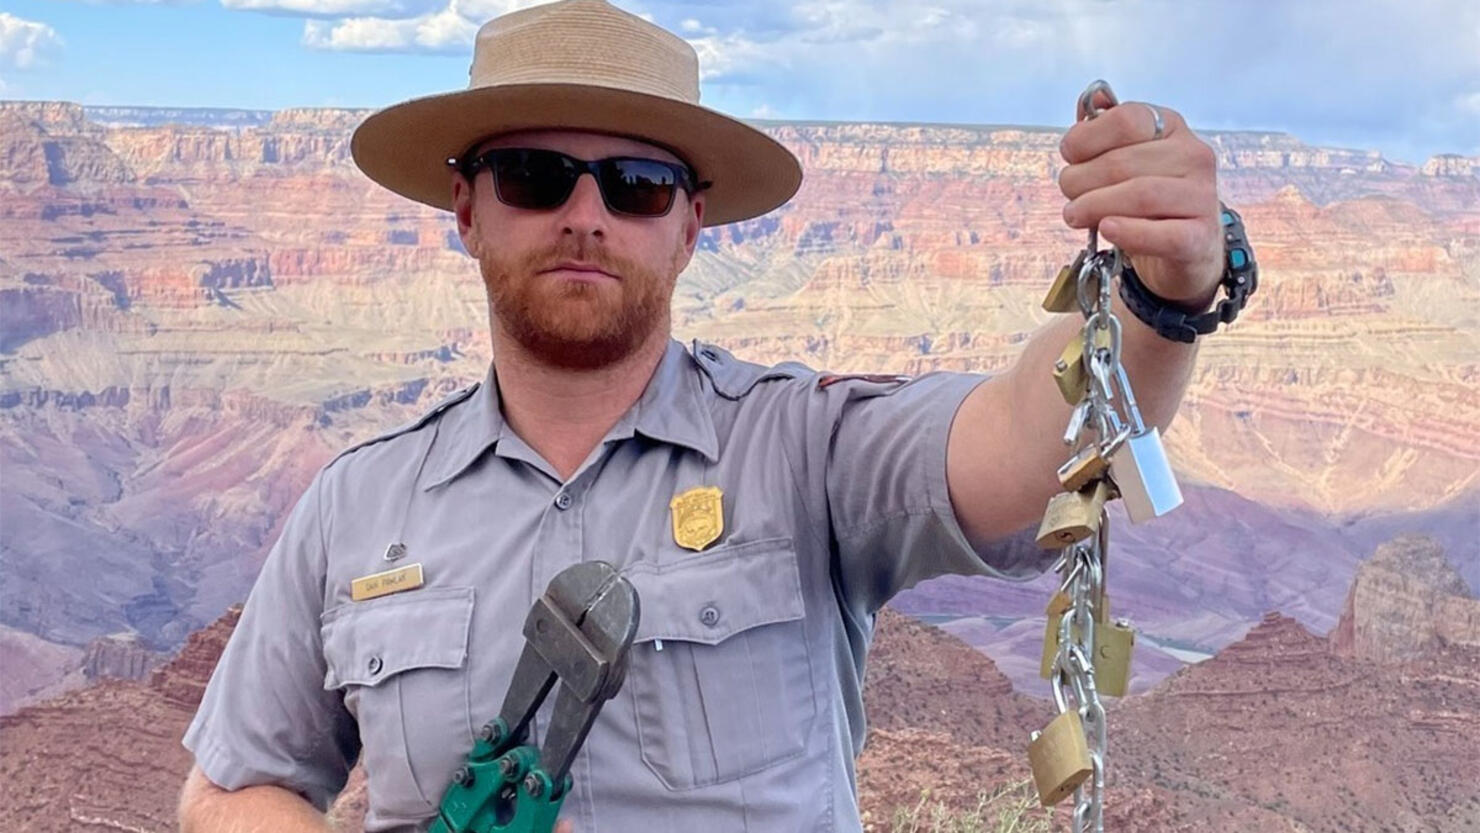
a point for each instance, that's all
(386, 583)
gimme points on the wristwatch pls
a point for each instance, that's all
(1240, 279)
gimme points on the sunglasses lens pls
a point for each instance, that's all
(638, 186)
(535, 179)
(543, 179)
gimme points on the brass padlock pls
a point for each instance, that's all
(1114, 647)
(1059, 603)
(1086, 465)
(1114, 644)
(1072, 516)
(1059, 758)
(1051, 635)
(1063, 296)
(1069, 372)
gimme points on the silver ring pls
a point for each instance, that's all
(1156, 114)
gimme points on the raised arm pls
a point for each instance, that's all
(1142, 177)
(1006, 442)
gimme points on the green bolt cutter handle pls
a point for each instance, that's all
(577, 634)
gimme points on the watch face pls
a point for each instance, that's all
(1241, 273)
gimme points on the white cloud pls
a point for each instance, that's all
(879, 43)
(693, 27)
(338, 8)
(443, 32)
(838, 21)
(447, 31)
(735, 58)
(25, 43)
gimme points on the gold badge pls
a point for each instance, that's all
(386, 583)
(698, 517)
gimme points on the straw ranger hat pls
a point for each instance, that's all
(578, 65)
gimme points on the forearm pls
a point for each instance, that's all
(1158, 370)
(1006, 443)
(1149, 185)
(206, 808)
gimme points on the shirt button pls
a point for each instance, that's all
(564, 500)
(375, 665)
(709, 616)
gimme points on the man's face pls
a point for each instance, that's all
(577, 285)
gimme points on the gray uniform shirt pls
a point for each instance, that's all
(742, 709)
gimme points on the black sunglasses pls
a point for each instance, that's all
(544, 179)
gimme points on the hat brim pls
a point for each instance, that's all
(406, 147)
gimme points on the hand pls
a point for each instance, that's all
(565, 827)
(1157, 199)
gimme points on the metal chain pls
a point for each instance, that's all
(1082, 564)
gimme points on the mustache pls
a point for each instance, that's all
(548, 257)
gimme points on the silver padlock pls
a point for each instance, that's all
(1144, 477)
(1140, 468)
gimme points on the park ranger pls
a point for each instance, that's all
(763, 514)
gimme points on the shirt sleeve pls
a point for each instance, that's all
(265, 717)
(889, 507)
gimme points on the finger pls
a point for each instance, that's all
(1179, 240)
(1126, 124)
(1178, 157)
(1151, 197)
(1100, 101)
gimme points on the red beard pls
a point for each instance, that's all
(578, 325)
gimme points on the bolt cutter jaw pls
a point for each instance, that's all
(577, 636)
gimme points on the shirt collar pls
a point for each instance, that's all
(672, 409)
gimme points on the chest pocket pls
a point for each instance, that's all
(401, 662)
(720, 674)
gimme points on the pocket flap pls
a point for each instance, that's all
(711, 596)
(366, 643)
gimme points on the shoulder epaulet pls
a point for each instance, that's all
(734, 378)
(413, 425)
(827, 380)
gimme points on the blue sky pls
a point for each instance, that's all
(1401, 77)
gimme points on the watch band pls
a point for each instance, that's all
(1240, 279)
